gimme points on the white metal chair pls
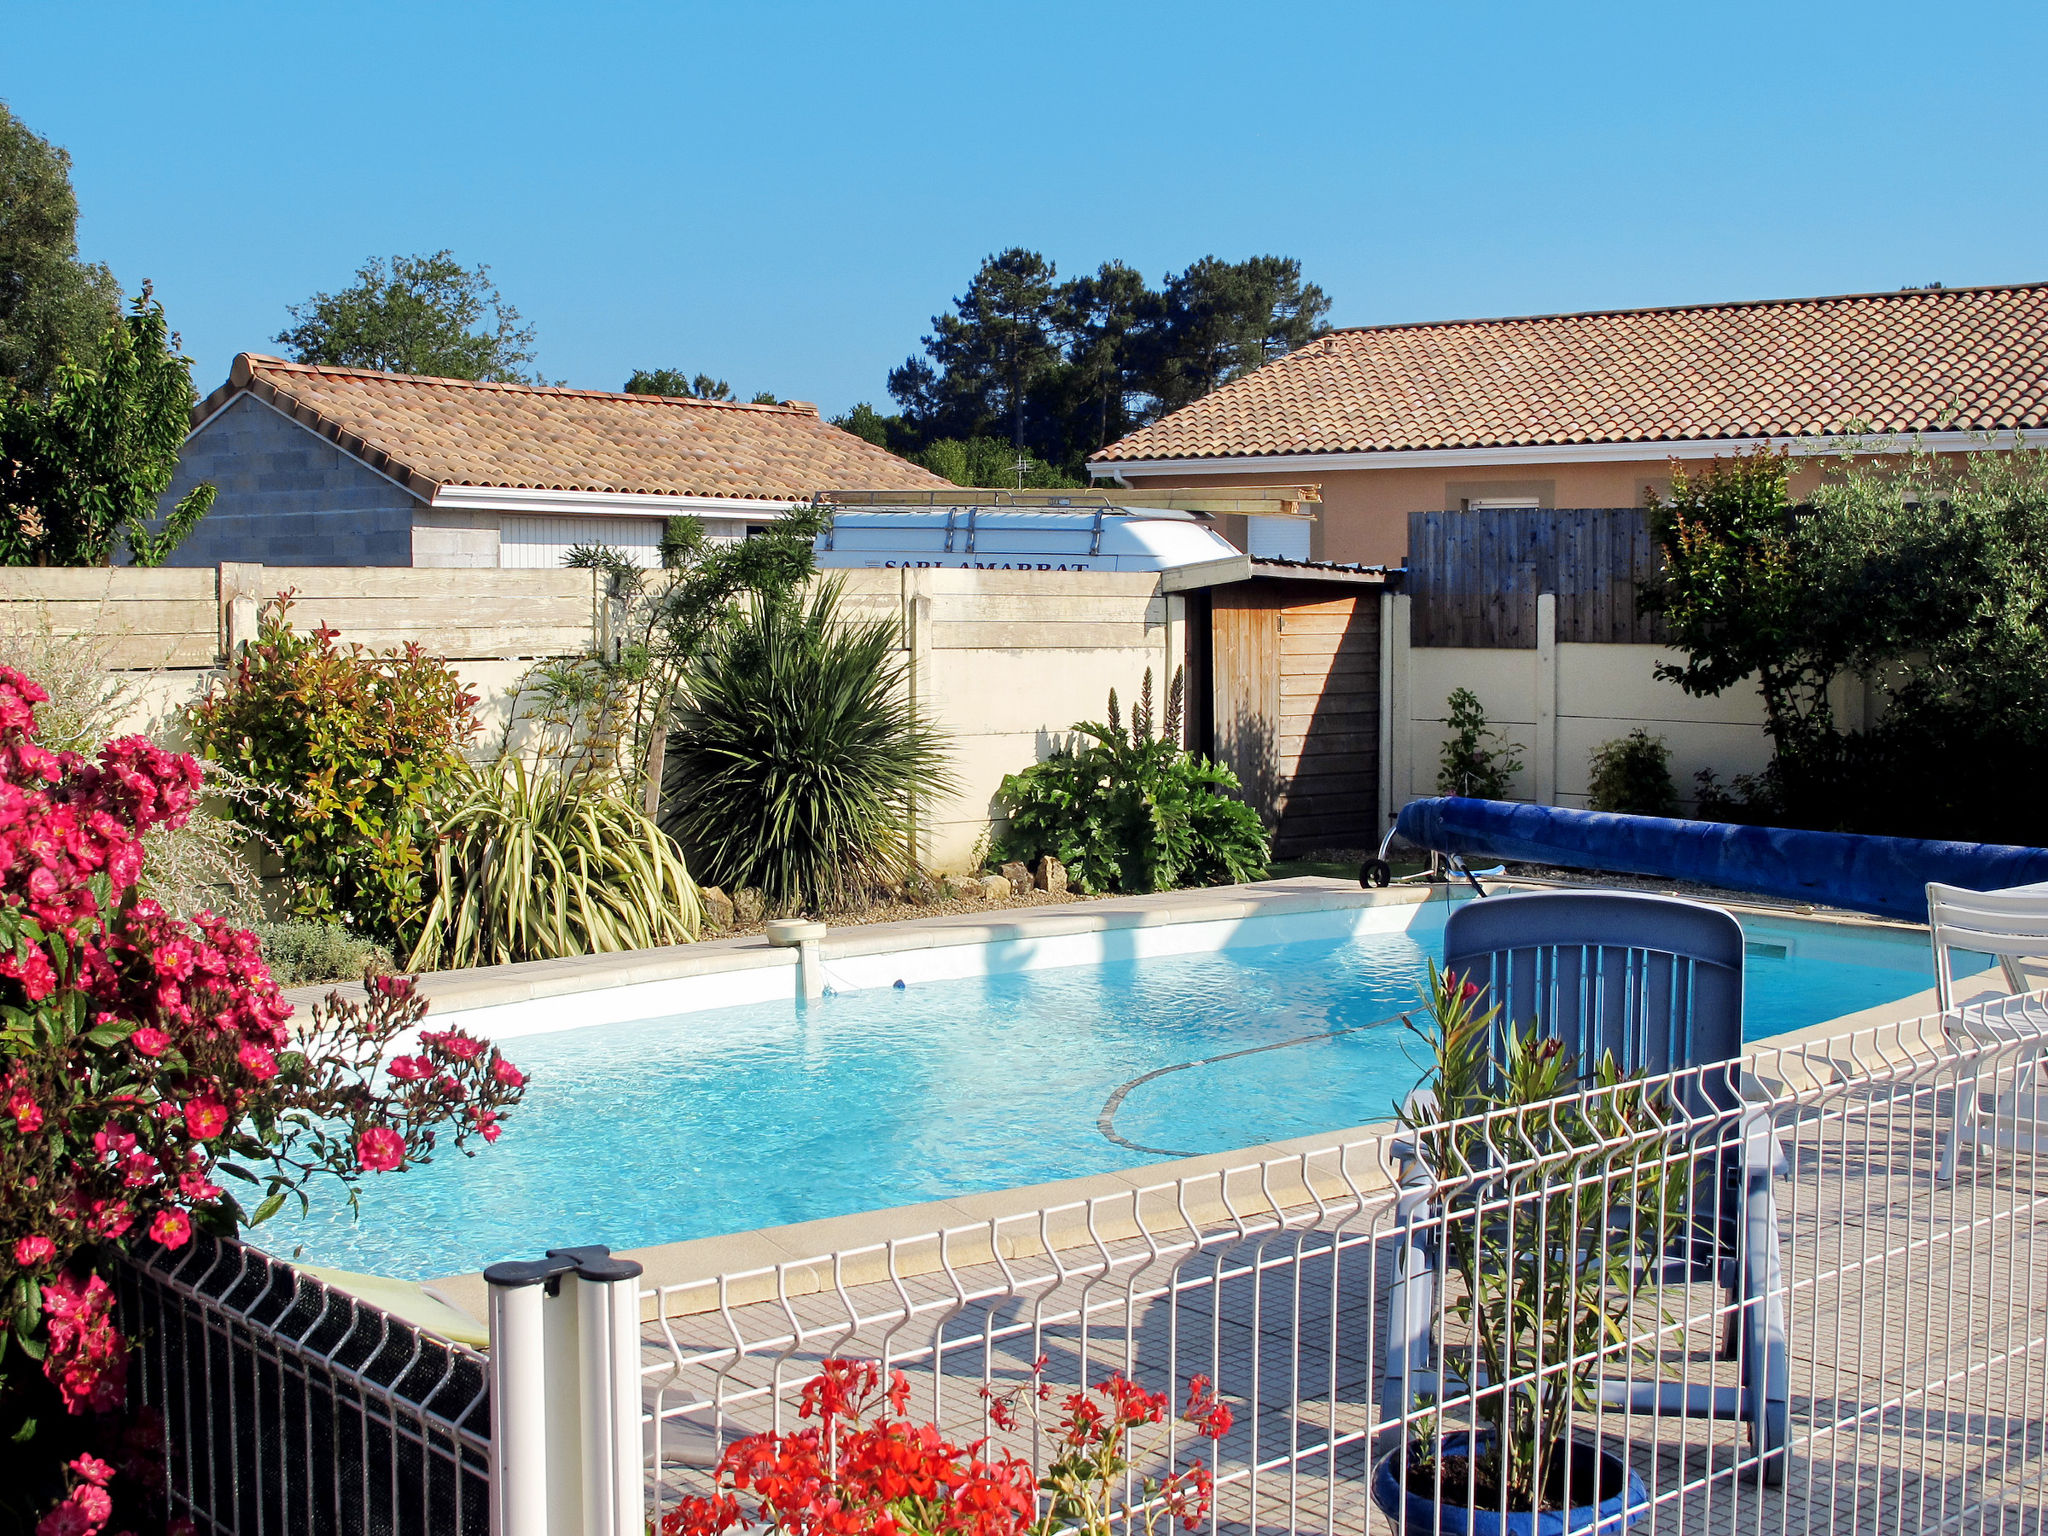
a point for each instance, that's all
(2012, 927)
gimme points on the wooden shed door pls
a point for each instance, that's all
(1329, 735)
(1245, 665)
(1296, 683)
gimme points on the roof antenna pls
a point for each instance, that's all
(1022, 466)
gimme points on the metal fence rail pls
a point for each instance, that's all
(292, 1407)
(1809, 1329)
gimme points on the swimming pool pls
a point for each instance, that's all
(735, 1118)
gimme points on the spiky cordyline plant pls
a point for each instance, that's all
(536, 864)
(797, 761)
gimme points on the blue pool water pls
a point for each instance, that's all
(749, 1117)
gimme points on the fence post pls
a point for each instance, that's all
(1544, 768)
(566, 1443)
(239, 592)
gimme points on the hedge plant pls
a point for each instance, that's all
(1127, 809)
(1632, 775)
(350, 748)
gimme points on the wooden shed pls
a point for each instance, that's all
(1293, 697)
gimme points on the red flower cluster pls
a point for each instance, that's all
(850, 1476)
(86, 1358)
(142, 1050)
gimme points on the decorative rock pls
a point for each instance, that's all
(1052, 876)
(1019, 876)
(717, 908)
(994, 888)
(960, 887)
(747, 905)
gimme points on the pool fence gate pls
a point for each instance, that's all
(1735, 1298)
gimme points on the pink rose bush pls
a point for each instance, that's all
(142, 1059)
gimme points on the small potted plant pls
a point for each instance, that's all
(1540, 1220)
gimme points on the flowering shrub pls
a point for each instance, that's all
(353, 748)
(859, 1470)
(140, 1058)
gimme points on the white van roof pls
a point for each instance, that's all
(1033, 530)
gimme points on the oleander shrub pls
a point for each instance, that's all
(796, 764)
(1632, 775)
(350, 750)
(149, 1085)
(534, 863)
(1127, 808)
(201, 864)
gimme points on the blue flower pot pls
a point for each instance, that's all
(1418, 1514)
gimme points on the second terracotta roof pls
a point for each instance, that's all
(430, 432)
(1959, 359)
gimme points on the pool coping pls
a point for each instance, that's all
(537, 980)
(903, 1241)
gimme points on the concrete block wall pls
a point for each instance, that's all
(1558, 703)
(289, 497)
(1004, 663)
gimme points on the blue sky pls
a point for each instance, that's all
(783, 194)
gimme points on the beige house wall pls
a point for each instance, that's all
(1364, 516)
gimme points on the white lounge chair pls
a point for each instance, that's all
(2012, 927)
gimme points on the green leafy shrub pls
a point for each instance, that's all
(537, 864)
(301, 954)
(1133, 811)
(1477, 760)
(350, 749)
(1632, 775)
(797, 763)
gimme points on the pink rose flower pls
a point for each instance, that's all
(150, 1041)
(380, 1149)
(33, 1250)
(171, 1228)
(508, 1074)
(206, 1117)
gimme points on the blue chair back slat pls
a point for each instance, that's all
(1655, 980)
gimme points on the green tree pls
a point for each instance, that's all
(891, 432)
(677, 384)
(989, 461)
(1106, 323)
(1219, 320)
(53, 306)
(88, 465)
(420, 314)
(987, 356)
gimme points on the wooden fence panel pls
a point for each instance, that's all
(1474, 577)
(456, 614)
(147, 618)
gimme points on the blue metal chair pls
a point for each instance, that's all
(1658, 982)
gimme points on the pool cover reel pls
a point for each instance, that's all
(1886, 876)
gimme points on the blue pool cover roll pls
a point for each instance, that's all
(1886, 876)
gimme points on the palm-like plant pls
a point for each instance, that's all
(537, 864)
(797, 761)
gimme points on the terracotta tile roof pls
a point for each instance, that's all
(1963, 359)
(427, 433)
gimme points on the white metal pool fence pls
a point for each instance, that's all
(1785, 1319)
